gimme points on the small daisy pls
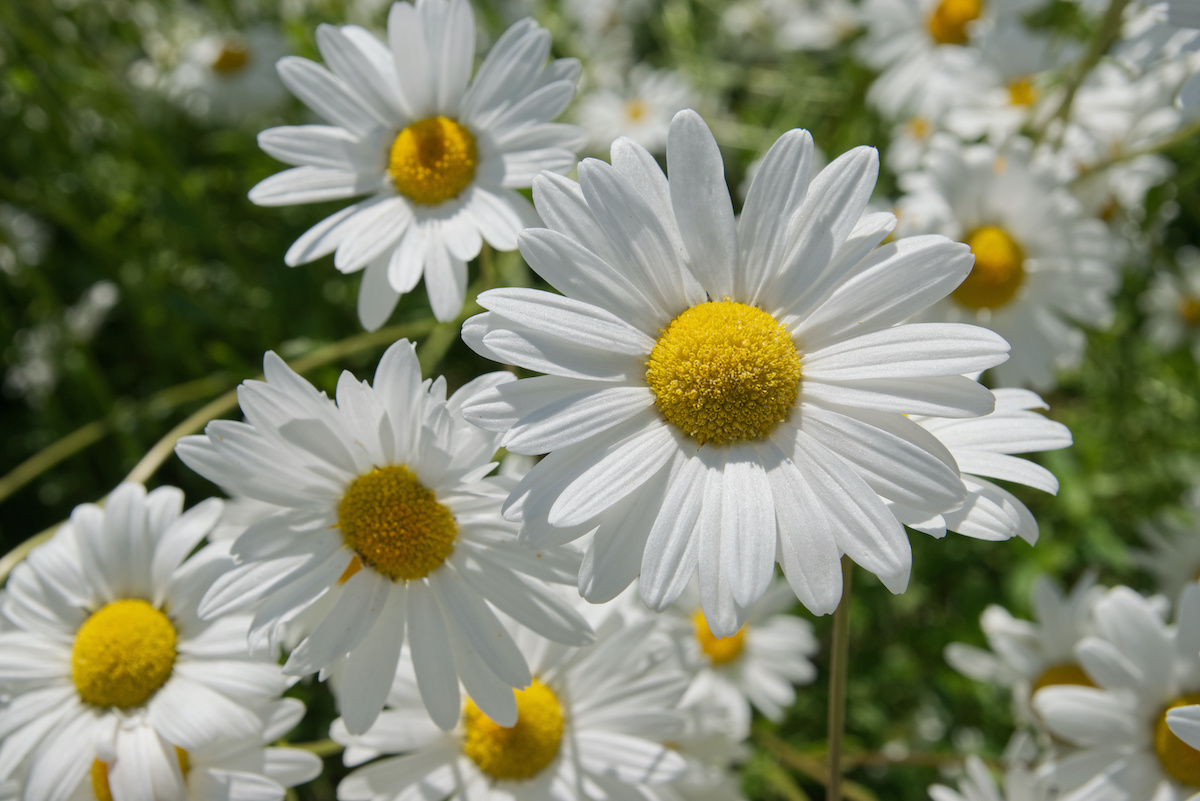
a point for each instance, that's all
(1174, 553)
(723, 393)
(229, 76)
(385, 528)
(1027, 655)
(440, 157)
(110, 662)
(641, 109)
(1172, 305)
(593, 723)
(1020, 784)
(1041, 266)
(1142, 669)
(983, 446)
(757, 666)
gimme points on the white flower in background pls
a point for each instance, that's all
(757, 666)
(230, 76)
(386, 524)
(594, 722)
(111, 664)
(641, 109)
(1041, 266)
(1020, 784)
(601, 18)
(23, 239)
(1027, 655)
(1142, 669)
(1172, 305)
(712, 747)
(984, 446)
(723, 393)
(1173, 556)
(231, 770)
(790, 25)
(439, 155)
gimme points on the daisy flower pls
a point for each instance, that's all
(1142, 669)
(1020, 784)
(1173, 555)
(724, 393)
(109, 661)
(983, 446)
(229, 76)
(640, 110)
(757, 666)
(1172, 305)
(440, 156)
(386, 526)
(1041, 266)
(1027, 655)
(594, 722)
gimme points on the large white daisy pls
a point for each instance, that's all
(724, 393)
(109, 661)
(439, 155)
(595, 722)
(387, 529)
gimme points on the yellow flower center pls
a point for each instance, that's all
(395, 525)
(123, 653)
(1022, 92)
(1178, 758)
(1062, 674)
(433, 160)
(720, 650)
(233, 58)
(100, 775)
(520, 752)
(635, 110)
(1189, 310)
(724, 372)
(998, 272)
(948, 23)
(919, 127)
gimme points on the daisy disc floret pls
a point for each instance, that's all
(717, 387)
(438, 154)
(381, 528)
(111, 678)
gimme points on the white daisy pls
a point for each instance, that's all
(594, 723)
(110, 662)
(757, 666)
(385, 524)
(791, 26)
(983, 446)
(1173, 556)
(640, 109)
(722, 393)
(1172, 305)
(1041, 266)
(1027, 655)
(230, 76)
(440, 158)
(712, 747)
(1020, 784)
(1143, 669)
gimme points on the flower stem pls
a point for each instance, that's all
(840, 649)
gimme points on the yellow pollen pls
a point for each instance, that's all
(1189, 310)
(395, 525)
(948, 23)
(998, 272)
(123, 653)
(520, 752)
(635, 110)
(433, 160)
(232, 59)
(1178, 758)
(1022, 92)
(100, 775)
(1062, 674)
(724, 372)
(720, 650)
(919, 127)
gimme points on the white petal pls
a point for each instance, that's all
(376, 298)
(582, 323)
(432, 659)
(308, 185)
(327, 95)
(908, 351)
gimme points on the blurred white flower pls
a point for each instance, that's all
(640, 108)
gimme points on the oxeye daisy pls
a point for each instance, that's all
(1143, 669)
(440, 155)
(757, 666)
(1173, 555)
(388, 531)
(1172, 306)
(1020, 784)
(109, 661)
(984, 446)
(594, 722)
(720, 393)
(1042, 267)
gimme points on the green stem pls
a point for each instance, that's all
(838, 659)
(322, 748)
(1106, 36)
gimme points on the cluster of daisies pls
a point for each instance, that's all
(711, 394)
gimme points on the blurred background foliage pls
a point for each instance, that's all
(104, 181)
